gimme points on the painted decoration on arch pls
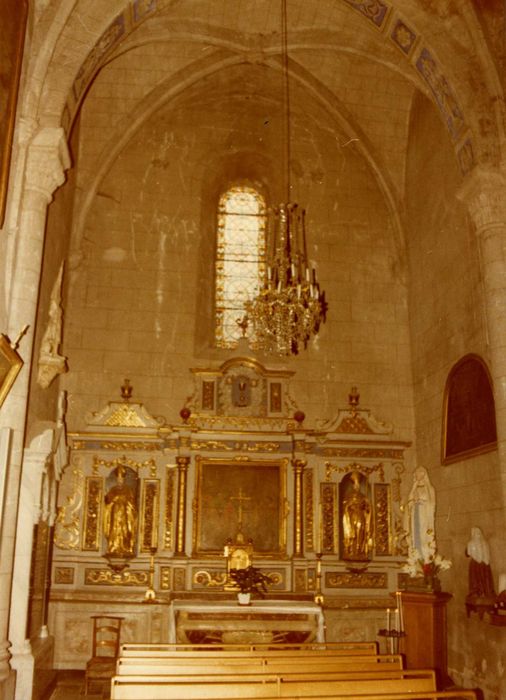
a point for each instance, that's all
(469, 425)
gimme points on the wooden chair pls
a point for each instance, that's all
(105, 650)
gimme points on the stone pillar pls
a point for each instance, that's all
(35, 463)
(298, 468)
(484, 194)
(60, 460)
(182, 472)
(46, 160)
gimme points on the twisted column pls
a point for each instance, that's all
(298, 468)
(182, 473)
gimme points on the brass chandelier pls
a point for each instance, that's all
(290, 306)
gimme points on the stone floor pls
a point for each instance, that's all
(70, 686)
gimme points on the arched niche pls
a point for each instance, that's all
(469, 424)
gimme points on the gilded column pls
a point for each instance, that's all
(484, 195)
(298, 468)
(182, 473)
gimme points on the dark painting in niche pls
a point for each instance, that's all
(240, 498)
(469, 411)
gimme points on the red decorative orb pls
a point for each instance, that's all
(299, 416)
(185, 413)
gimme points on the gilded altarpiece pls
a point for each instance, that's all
(93, 497)
(150, 515)
(318, 505)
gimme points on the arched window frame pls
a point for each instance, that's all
(239, 258)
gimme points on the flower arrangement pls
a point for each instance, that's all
(428, 567)
(251, 580)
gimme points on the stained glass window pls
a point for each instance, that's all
(240, 259)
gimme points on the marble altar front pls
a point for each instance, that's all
(264, 621)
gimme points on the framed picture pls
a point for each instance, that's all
(469, 425)
(235, 497)
(12, 35)
(10, 365)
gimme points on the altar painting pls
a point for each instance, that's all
(10, 365)
(236, 498)
(469, 412)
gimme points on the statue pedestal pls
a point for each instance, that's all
(425, 643)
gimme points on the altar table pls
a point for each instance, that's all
(262, 622)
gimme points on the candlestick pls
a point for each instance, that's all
(401, 612)
(150, 595)
(318, 597)
(319, 533)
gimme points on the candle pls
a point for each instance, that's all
(502, 583)
(396, 626)
(388, 619)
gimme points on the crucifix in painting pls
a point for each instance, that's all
(240, 497)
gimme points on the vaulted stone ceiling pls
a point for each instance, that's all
(359, 71)
(361, 61)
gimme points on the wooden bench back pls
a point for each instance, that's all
(435, 695)
(164, 688)
(263, 677)
(160, 665)
(236, 650)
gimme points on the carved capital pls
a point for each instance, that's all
(48, 158)
(298, 465)
(182, 462)
(36, 458)
(483, 194)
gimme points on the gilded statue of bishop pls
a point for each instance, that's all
(120, 517)
(357, 526)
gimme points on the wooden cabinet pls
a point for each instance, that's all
(425, 643)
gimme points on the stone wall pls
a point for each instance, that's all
(447, 322)
(140, 302)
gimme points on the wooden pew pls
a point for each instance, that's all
(458, 694)
(331, 648)
(304, 675)
(216, 665)
(435, 695)
(164, 687)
